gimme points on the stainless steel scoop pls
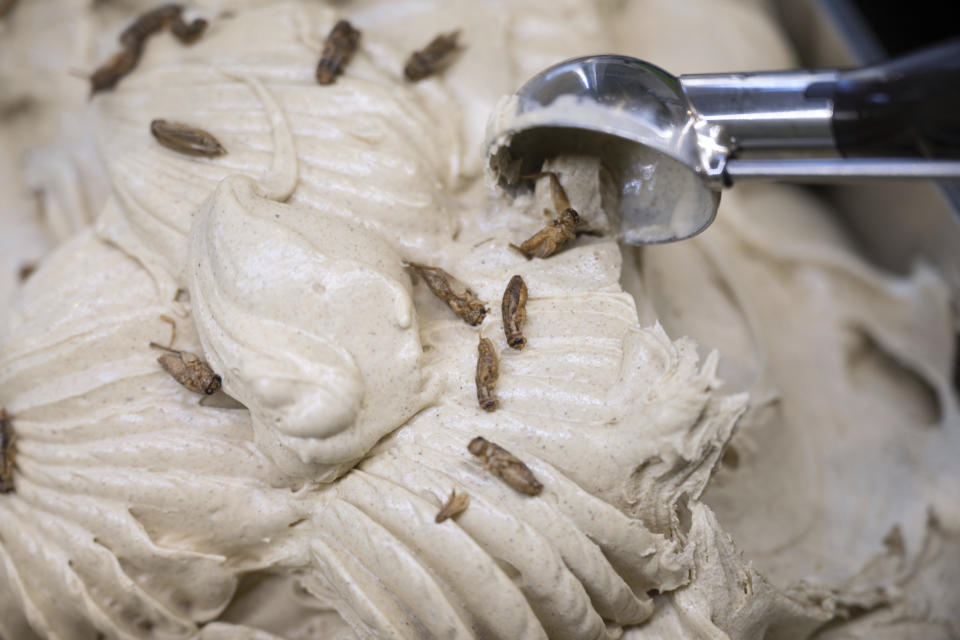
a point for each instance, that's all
(672, 143)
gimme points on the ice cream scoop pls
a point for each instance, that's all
(673, 143)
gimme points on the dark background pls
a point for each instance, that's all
(908, 24)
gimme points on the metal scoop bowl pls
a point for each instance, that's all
(673, 143)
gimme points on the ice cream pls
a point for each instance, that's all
(141, 512)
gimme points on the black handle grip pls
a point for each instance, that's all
(907, 107)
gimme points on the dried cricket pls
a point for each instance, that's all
(505, 466)
(559, 195)
(118, 65)
(155, 20)
(514, 311)
(134, 38)
(456, 504)
(6, 6)
(432, 58)
(552, 238)
(186, 139)
(488, 370)
(339, 47)
(458, 296)
(7, 451)
(189, 370)
(26, 270)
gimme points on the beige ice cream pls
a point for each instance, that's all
(812, 494)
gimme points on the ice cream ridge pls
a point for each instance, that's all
(296, 368)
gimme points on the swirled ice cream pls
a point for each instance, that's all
(812, 494)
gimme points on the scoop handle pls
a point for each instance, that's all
(906, 107)
(841, 170)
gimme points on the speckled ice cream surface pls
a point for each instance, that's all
(751, 434)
